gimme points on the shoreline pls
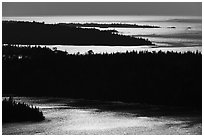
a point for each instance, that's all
(92, 122)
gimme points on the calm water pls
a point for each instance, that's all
(186, 36)
(61, 118)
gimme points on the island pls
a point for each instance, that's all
(171, 27)
(111, 25)
(36, 33)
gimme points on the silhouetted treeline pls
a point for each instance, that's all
(112, 25)
(33, 33)
(17, 112)
(169, 78)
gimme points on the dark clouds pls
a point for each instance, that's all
(100, 8)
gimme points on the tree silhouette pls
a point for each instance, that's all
(90, 52)
(13, 111)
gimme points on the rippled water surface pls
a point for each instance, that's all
(61, 118)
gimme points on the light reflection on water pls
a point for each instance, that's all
(114, 49)
(62, 120)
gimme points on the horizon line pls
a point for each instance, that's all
(100, 15)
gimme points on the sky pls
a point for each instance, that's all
(101, 8)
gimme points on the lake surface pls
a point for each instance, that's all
(62, 118)
(186, 36)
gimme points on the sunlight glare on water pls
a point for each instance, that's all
(62, 120)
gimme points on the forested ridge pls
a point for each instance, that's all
(164, 78)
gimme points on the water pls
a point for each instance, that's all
(186, 36)
(61, 118)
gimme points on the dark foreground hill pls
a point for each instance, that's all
(58, 34)
(17, 112)
(173, 79)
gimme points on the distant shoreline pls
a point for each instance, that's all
(108, 25)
